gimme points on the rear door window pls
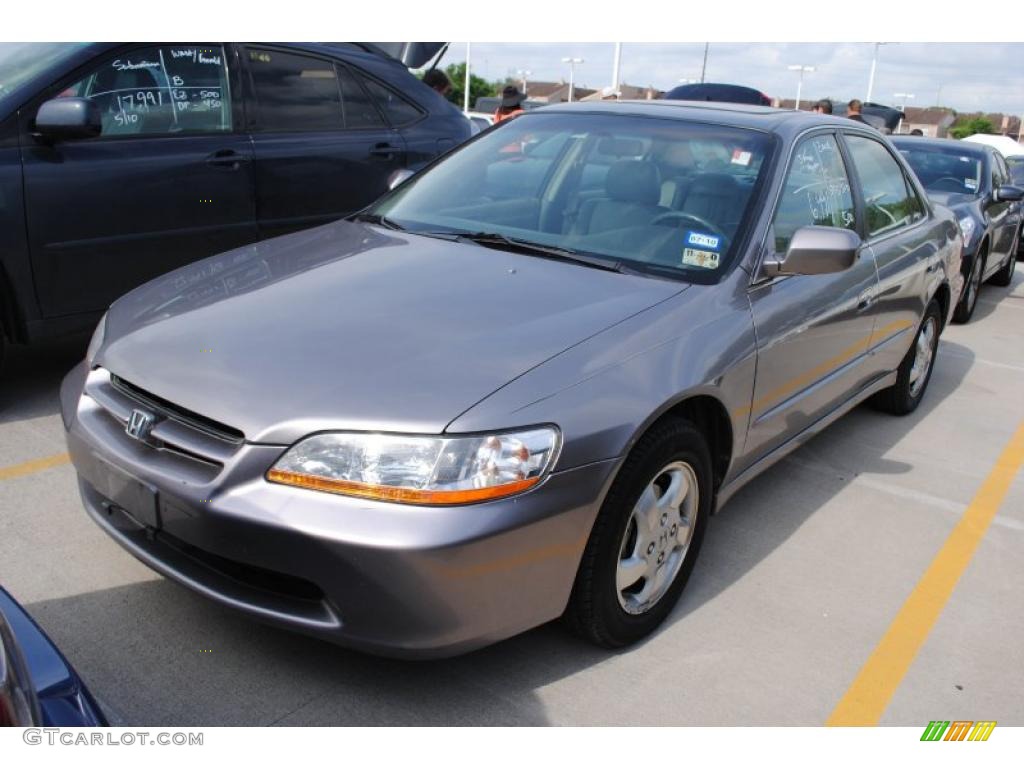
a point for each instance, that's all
(294, 92)
(359, 109)
(398, 110)
(167, 89)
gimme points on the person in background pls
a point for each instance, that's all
(823, 107)
(511, 104)
(853, 111)
(438, 80)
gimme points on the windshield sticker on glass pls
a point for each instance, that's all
(971, 183)
(702, 240)
(703, 259)
(739, 157)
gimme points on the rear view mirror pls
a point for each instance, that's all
(397, 177)
(68, 118)
(816, 251)
(1008, 193)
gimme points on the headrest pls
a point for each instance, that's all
(633, 181)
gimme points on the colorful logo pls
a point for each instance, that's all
(958, 730)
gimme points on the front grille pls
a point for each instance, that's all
(170, 410)
(179, 436)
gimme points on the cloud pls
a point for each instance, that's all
(966, 76)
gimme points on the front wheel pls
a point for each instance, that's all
(646, 538)
(915, 371)
(969, 300)
(1004, 276)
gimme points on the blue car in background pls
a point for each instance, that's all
(38, 687)
(122, 161)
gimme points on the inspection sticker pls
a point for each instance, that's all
(704, 259)
(711, 242)
(971, 183)
(739, 157)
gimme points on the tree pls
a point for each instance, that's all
(477, 85)
(968, 125)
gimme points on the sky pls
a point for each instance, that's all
(969, 77)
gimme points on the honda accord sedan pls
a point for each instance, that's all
(517, 386)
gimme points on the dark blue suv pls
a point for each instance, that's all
(119, 162)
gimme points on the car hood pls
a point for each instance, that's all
(351, 326)
(955, 201)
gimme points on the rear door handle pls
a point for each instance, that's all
(386, 150)
(228, 159)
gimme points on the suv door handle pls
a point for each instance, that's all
(386, 150)
(227, 158)
(866, 299)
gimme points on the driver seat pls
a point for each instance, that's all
(632, 190)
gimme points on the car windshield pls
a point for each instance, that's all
(945, 169)
(20, 62)
(651, 194)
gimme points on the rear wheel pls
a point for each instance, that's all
(646, 538)
(1004, 276)
(972, 286)
(915, 371)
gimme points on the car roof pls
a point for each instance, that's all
(783, 121)
(964, 147)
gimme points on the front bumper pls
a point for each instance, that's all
(387, 578)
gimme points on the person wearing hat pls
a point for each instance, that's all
(511, 104)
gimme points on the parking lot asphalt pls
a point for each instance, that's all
(805, 575)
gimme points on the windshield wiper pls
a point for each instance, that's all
(494, 239)
(376, 218)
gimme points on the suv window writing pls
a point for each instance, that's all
(889, 203)
(160, 90)
(594, 185)
(295, 93)
(816, 192)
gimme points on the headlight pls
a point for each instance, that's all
(97, 339)
(414, 469)
(967, 226)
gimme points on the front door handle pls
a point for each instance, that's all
(867, 298)
(227, 159)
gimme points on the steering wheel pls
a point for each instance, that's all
(683, 216)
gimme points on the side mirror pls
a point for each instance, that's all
(1008, 193)
(68, 118)
(816, 251)
(399, 176)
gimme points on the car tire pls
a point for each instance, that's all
(972, 287)
(646, 538)
(1004, 276)
(915, 371)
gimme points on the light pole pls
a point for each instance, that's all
(902, 98)
(800, 83)
(871, 77)
(523, 74)
(616, 67)
(465, 96)
(704, 66)
(572, 62)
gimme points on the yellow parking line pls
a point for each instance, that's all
(36, 465)
(868, 696)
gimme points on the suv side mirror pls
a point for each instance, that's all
(68, 118)
(816, 251)
(399, 176)
(1008, 193)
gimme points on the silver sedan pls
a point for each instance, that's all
(517, 386)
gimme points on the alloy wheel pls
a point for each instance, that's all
(923, 356)
(657, 537)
